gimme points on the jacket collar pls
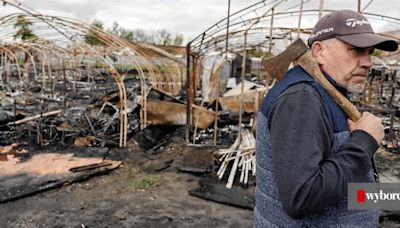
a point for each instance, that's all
(341, 89)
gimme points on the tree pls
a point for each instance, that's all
(126, 34)
(139, 35)
(92, 38)
(163, 37)
(158, 37)
(115, 29)
(121, 32)
(178, 40)
(24, 31)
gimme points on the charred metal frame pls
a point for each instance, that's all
(60, 49)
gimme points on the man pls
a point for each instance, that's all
(307, 151)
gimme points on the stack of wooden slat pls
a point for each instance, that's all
(242, 154)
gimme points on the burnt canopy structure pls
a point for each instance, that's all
(53, 66)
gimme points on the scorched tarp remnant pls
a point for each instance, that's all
(48, 170)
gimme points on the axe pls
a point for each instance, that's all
(298, 51)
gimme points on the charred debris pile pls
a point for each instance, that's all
(80, 106)
(66, 82)
(65, 108)
(381, 96)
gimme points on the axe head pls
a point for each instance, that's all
(278, 65)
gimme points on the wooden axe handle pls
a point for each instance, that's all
(307, 62)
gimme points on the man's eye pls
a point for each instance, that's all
(371, 50)
(360, 51)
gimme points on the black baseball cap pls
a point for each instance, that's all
(352, 28)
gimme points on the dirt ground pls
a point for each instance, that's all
(149, 190)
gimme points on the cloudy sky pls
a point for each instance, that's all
(187, 17)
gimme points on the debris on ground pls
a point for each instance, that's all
(43, 171)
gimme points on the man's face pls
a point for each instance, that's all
(346, 64)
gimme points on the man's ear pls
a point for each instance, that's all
(318, 52)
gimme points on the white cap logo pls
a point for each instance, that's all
(353, 22)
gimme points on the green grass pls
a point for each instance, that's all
(143, 183)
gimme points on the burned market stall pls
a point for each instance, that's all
(70, 93)
(66, 82)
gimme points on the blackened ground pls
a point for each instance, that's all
(149, 190)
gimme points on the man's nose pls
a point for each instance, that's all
(365, 61)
